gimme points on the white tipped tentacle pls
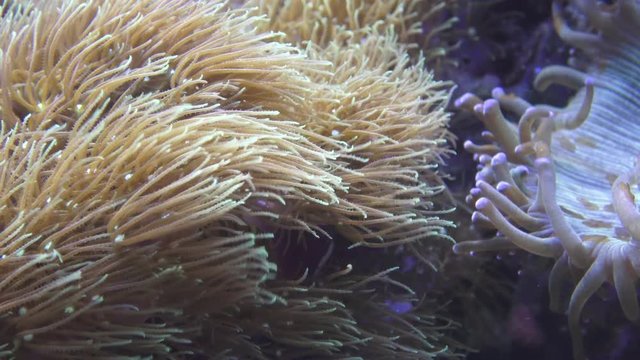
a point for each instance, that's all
(536, 245)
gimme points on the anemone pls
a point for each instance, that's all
(559, 184)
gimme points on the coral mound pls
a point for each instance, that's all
(156, 155)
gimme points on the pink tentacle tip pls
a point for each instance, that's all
(497, 92)
(476, 217)
(486, 134)
(503, 186)
(477, 109)
(467, 145)
(479, 176)
(462, 100)
(483, 203)
(475, 191)
(589, 81)
(489, 106)
(519, 148)
(499, 159)
(457, 249)
(484, 159)
(468, 199)
(521, 170)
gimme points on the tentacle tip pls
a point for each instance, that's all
(482, 203)
(475, 191)
(461, 100)
(589, 81)
(468, 145)
(477, 218)
(465, 100)
(499, 159)
(484, 159)
(489, 105)
(469, 199)
(521, 170)
(503, 186)
(497, 92)
(458, 249)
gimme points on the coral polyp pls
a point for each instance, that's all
(179, 182)
(559, 184)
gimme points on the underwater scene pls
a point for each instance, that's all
(320, 179)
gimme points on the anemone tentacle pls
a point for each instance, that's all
(559, 184)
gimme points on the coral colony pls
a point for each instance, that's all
(265, 179)
(179, 181)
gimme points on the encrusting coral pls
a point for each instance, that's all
(559, 184)
(151, 150)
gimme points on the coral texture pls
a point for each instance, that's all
(559, 184)
(322, 22)
(154, 153)
(372, 100)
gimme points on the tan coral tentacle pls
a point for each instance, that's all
(568, 237)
